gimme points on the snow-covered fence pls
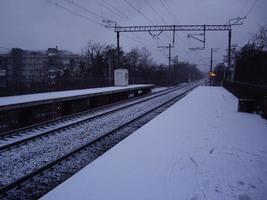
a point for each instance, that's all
(257, 93)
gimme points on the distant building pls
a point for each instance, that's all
(60, 60)
(3, 70)
(25, 67)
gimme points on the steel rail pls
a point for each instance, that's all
(55, 130)
(52, 164)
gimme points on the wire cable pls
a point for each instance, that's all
(74, 12)
(155, 11)
(138, 11)
(115, 9)
(252, 7)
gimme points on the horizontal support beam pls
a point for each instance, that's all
(172, 28)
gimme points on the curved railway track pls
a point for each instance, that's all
(90, 142)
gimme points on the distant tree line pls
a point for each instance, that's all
(95, 63)
(251, 59)
(97, 58)
(249, 62)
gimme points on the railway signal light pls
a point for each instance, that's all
(212, 74)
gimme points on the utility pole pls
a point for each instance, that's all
(229, 47)
(109, 70)
(211, 54)
(118, 49)
(170, 58)
(170, 61)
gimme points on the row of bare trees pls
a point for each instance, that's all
(97, 58)
(249, 62)
(251, 59)
(95, 66)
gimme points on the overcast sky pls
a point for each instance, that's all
(40, 24)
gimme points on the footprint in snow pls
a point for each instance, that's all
(195, 197)
(244, 197)
(241, 183)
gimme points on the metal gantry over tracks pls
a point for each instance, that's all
(173, 28)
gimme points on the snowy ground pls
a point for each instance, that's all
(158, 89)
(200, 148)
(26, 158)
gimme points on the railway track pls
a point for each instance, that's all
(20, 136)
(27, 175)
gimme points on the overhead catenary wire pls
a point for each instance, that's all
(83, 8)
(57, 4)
(115, 9)
(1, 47)
(138, 11)
(110, 9)
(141, 13)
(74, 12)
(172, 15)
(170, 12)
(252, 7)
(136, 36)
(155, 11)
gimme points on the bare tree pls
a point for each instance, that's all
(260, 38)
(145, 57)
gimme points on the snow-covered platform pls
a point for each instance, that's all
(201, 148)
(48, 97)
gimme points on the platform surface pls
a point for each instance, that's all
(20, 99)
(201, 148)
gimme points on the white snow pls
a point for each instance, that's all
(200, 148)
(11, 100)
(159, 89)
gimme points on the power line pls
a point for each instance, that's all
(114, 8)
(1, 47)
(130, 18)
(138, 39)
(169, 10)
(83, 8)
(162, 18)
(138, 11)
(74, 12)
(157, 13)
(252, 7)
(110, 9)
(85, 17)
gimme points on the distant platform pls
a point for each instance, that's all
(200, 148)
(24, 110)
(11, 102)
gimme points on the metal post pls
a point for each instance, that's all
(170, 58)
(204, 36)
(109, 70)
(170, 63)
(229, 47)
(173, 39)
(118, 49)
